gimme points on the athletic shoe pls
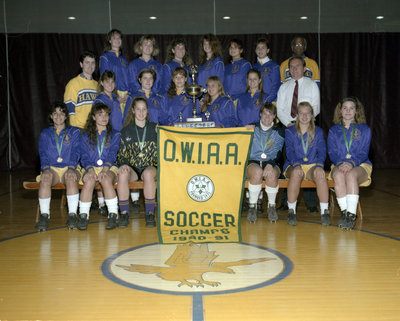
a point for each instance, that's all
(123, 219)
(292, 218)
(350, 221)
(112, 221)
(150, 219)
(71, 221)
(326, 218)
(135, 207)
(342, 219)
(103, 211)
(43, 222)
(259, 206)
(272, 215)
(252, 213)
(82, 222)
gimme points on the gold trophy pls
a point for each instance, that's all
(194, 91)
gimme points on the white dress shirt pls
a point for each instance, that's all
(308, 91)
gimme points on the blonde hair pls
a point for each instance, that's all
(359, 117)
(207, 98)
(311, 126)
(142, 39)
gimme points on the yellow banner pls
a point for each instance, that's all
(201, 173)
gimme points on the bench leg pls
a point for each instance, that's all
(331, 201)
(63, 201)
(37, 212)
(359, 211)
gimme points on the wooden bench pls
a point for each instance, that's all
(283, 183)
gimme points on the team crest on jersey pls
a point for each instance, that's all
(208, 65)
(200, 188)
(67, 140)
(357, 134)
(235, 69)
(266, 71)
(270, 143)
(155, 103)
(215, 108)
(184, 100)
(203, 268)
(123, 61)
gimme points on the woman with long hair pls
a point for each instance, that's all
(210, 57)
(147, 49)
(137, 159)
(236, 70)
(249, 103)
(305, 157)
(178, 106)
(177, 56)
(348, 147)
(265, 154)
(269, 69)
(98, 148)
(220, 108)
(59, 156)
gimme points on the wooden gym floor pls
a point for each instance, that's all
(279, 272)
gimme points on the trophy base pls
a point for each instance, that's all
(195, 124)
(192, 119)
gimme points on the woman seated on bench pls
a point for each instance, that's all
(263, 164)
(348, 146)
(59, 156)
(99, 146)
(305, 157)
(137, 159)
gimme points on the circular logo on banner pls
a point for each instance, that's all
(200, 188)
(190, 268)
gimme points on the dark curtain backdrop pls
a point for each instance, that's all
(361, 64)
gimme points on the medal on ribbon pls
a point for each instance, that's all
(59, 145)
(348, 144)
(305, 147)
(100, 149)
(141, 142)
(264, 145)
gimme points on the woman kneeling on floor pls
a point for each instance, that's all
(137, 159)
(99, 146)
(305, 157)
(263, 164)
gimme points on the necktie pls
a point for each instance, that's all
(293, 111)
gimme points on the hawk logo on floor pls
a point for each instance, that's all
(188, 263)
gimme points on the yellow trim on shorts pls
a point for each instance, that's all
(366, 167)
(304, 167)
(59, 171)
(97, 170)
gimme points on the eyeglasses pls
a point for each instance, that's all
(299, 44)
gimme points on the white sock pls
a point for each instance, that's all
(323, 206)
(292, 206)
(271, 192)
(73, 201)
(44, 204)
(254, 191)
(101, 201)
(135, 196)
(84, 208)
(112, 205)
(342, 201)
(352, 202)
